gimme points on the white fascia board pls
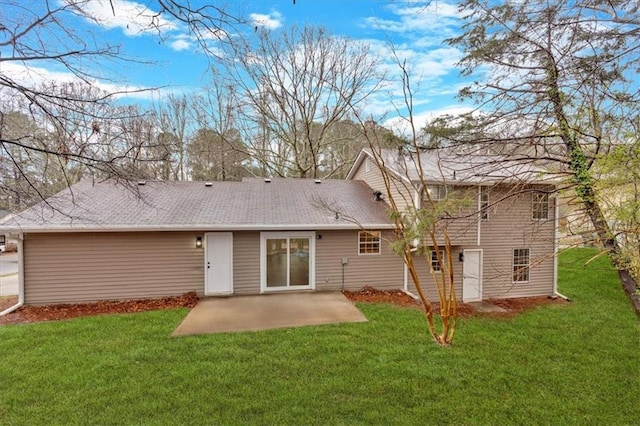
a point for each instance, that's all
(356, 164)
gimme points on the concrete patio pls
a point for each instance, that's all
(252, 313)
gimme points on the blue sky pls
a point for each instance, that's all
(172, 59)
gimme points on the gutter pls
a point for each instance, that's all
(20, 278)
(199, 227)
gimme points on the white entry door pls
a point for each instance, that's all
(218, 263)
(472, 275)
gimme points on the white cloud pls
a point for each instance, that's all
(401, 126)
(425, 22)
(180, 44)
(132, 17)
(32, 77)
(271, 21)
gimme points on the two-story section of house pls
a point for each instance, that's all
(502, 224)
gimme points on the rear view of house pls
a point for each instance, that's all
(104, 241)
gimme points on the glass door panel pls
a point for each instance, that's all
(299, 262)
(277, 262)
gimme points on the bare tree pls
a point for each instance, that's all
(39, 34)
(215, 112)
(215, 156)
(297, 86)
(173, 119)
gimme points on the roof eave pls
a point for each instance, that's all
(198, 227)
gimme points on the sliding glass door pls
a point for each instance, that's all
(287, 260)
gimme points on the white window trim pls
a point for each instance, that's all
(379, 243)
(264, 236)
(513, 265)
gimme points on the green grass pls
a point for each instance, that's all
(573, 364)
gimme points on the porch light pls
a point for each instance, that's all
(198, 242)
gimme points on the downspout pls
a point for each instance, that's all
(20, 278)
(406, 277)
(556, 224)
(416, 203)
(479, 214)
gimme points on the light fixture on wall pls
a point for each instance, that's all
(198, 242)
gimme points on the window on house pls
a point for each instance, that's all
(484, 202)
(437, 192)
(520, 265)
(540, 205)
(435, 265)
(369, 242)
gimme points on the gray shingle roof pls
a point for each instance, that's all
(250, 204)
(451, 167)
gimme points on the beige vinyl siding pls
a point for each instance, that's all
(384, 271)
(246, 262)
(422, 263)
(461, 220)
(510, 226)
(87, 267)
(401, 191)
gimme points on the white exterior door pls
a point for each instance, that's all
(472, 276)
(218, 263)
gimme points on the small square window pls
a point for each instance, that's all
(521, 265)
(540, 205)
(369, 242)
(435, 265)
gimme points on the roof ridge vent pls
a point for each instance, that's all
(142, 182)
(208, 184)
(267, 180)
(317, 181)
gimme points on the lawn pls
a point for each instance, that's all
(558, 364)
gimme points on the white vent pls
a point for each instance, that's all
(208, 184)
(142, 182)
(317, 181)
(267, 180)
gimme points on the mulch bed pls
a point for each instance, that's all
(396, 297)
(29, 314)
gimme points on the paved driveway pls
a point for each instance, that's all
(8, 264)
(250, 313)
(9, 285)
(8, 274)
